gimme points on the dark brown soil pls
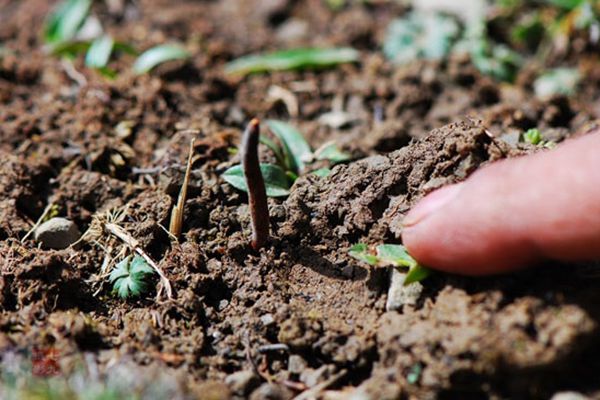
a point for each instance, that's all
(527, 335)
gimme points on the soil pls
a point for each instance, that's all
(270, 324)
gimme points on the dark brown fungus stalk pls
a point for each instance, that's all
(257, 194)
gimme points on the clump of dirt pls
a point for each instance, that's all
(368, 199)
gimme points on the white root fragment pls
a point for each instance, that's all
(400, 294)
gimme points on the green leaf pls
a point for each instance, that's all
(276, 181)
(416, 274)
(274, 148)
(557, 81)
(158, 55)
(71, 49)
(395, 254)
(331, 152)
(126, 48)
(420, 35)
(533, 136)
(296, 149)
(99, 52)
(360, 251)
(129, 277)
(65, 21)
(322, 172)
(291, 60)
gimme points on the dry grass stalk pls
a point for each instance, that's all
(176, 221)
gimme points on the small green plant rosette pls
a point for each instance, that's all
(276, 180)
(533, 136)
(130, 277)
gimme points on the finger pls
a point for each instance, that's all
(513, 213)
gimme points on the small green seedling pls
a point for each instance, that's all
(391, 254)
(62, 31)
(291, 60)
(533, 136)
(158, 55)
(66, 20)
(292, 153)
(130, 277)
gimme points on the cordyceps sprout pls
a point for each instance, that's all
(257, 195)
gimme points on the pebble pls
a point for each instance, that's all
(267, 319)
(569, 396)
(296, 364)
(398, 294)
(57, 233)
(311, 377)
(242, 383)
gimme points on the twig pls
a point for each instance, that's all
(257, 194)
(121, 234)
(38, 222)
(177, 212)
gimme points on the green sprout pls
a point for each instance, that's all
(66, 21)
(293, 59)
(293, 155)
(159, 55)
(391, 254)
(69, 18)
(532, 136)
(130, 277)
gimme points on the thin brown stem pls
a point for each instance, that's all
(257, 194)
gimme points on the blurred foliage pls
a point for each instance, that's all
(505, 36)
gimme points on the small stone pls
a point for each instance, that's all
(267, 319)
(311, 377)
(296, 364)
(512, 138)
(398, 294)
(57, 233)
(569, 396)
(242, 383)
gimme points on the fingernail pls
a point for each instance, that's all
(430, 204)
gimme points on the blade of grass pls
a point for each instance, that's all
(291, 59)
(177, 213)
(296, 149)
(63, 24)
(99, 52)
(158, 55)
